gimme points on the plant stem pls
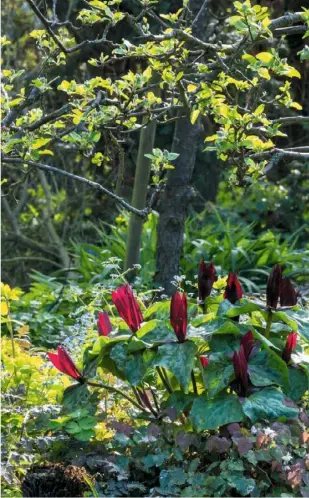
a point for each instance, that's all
(194, 382)
(166, 384)
(117, 391)
(268, 324)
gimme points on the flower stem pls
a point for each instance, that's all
(117, 391)
(164, 380)
(268, 324)
(194, 382)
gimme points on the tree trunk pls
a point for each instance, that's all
(178, 192)
(173, 208)
(142, 174)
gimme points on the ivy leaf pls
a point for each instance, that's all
(178, 359)
(212, 413)
(268, 404)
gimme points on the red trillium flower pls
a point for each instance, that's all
(64, 363)
(274, 286)
(204, 361)
(247, 342)
(289, 346)
(288, 295)
(233, 291)
(178, 315)
(241, 371)
(126, 304)
(205, 280)
(104, 324)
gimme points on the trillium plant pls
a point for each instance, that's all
(221, 358)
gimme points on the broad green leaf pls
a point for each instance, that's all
(221, 326)
(298, 384)
(179, 401)
(178, 359)
(268, 404)
(134, 365)
(218, 373)
(301, 317)
(242, 309)
(212, 413)
(84, 435)
(73, 427)
(267, 368)
(281, 316)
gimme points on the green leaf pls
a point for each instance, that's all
(179, 401)
(242, 309)
(76, 396)
(87, 423)
(178, 359)
(267, 368)
(212, 413)
(134, 365)
(221, 326)
(281, 316)
(40, 142)
(298, 384)
(268, 404)
(218, 374)
(84, 435)
(72, 427)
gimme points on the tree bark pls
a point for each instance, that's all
(174, 204)
(178, 192)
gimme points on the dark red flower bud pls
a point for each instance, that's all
(104, 324)
(288, 295)
(274, 286)
(178, 315)
(126, 304)
(241, 371)
(233, 291)
(247, 342)
(64, 363)
(204, 361)
(289, 346)
(205, 280)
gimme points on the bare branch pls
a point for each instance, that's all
(14, 160)
(291, 120)
(45, 22)
(283, 152)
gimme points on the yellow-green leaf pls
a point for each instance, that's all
(293, 73)
(264, 73)
(265, 57)
(194, 115)
(40, 142)
(46, 152)
(191, 88)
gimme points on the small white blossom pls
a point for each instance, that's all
(269, 432)
(137, 266)
(253, 430)
(287, 458)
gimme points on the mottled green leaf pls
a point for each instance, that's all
(134, 365)
(268, 404)
(212, 413)
(178, 359)
(298, 383)
(267, 368)
(218, 373)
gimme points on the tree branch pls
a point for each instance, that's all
(14, 160)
